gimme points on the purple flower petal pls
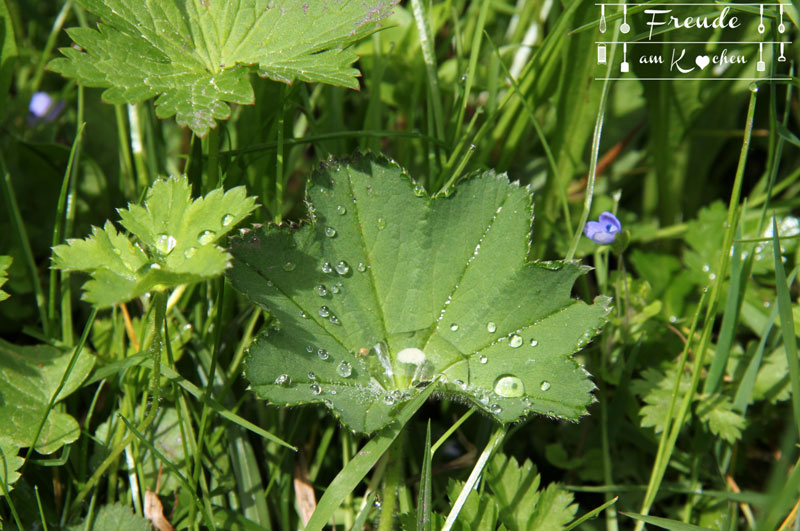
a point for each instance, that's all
(610, 222)
(40, 103)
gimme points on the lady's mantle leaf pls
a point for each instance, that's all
(195, 54)
(174, 243)
(387, 289)
(28, 381)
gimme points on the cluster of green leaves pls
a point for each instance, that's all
(197, 56)
(175, 243)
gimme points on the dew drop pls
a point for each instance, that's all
(336, 288)
(303, 315)
(515, 341)
(361, 267)
(344, 369)
(334, 320)
(545, 385)
(527, 401)
(342, 268)
(381, 223)
(312, 376)
(324, 311)
(327, 267)
(330, 232)
(496, 409)
(322, 354)
(454, 327)
(461, 384)
(483, 359)
(534, 343)
(206, 237)
(289, 266)
(341, 210)
(309, 348)
(188, 253)
(283, 379)
(509, 386)
(227, 219)
(419, 190)
(315, 389)
(389, 400)
(491, 327)
(322, 290)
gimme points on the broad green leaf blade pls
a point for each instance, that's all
(114, 516)
(386, 288)
(175, 243)
(5, 262)
(10, 462)
(28, 380)
(196, 56)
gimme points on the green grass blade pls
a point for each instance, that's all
(591, 514)
(424, 510)
(787, 324)
(666, 523)
(358, 467)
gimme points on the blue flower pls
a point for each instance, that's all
(42, 108)
(604, 230)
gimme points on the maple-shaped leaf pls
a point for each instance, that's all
(385, 290)
(5, 262)
(197, 55)
(174, 242)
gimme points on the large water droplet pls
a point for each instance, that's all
(324, 311)
(341, 210)
(283, 379)
(165, 243)
(491, 327)
(327, 267)
(381, 223)
(412, 356)
(227, 219)
(206, 237)
(330, 232)
(545, 385)
(509, 386)
(342, 268)
(344, 369)
(315, 389)
(361, 267)
(454, 327)
(515, 341)
(322, 354)
(483, 359)
(289, 266)
(322, 290)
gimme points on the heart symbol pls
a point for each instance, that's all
(702, 61)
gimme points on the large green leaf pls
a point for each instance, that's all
(175, 243)
(195, 55)
(29, 377)
(386, 288)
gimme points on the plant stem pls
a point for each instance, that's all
(391, 482)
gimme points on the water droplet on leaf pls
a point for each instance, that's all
(327, 267)
(515, 341)
(206, 237)
(361, 267)
(227, 219)
(188, 253)
(289, 266)
(545, 385)
(324, 311)
(312, 376)
(315, 389)
(454, 327)
(534, 343)
(344, 369)
(283, 379)
(483, 359)
(330, 232)
(381, 223)
(496, 409)
(509, 386)
(322, 354)
(342, 268)
(341, 210)
(491, 327)
(322, 290)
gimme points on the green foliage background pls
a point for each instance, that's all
(697, 406)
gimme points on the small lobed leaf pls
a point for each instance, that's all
(173, 242)
(197, 56)
(5, 263)
(387, 289)
(29, 378)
